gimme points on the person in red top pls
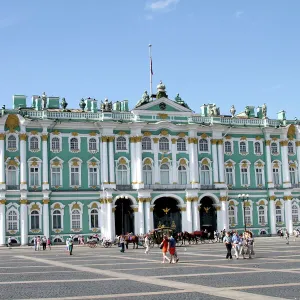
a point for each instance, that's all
(165, 247)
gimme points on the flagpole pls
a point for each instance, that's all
(150, 60)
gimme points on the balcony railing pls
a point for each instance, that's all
(12, 187)
(125, 187)
(167, 186)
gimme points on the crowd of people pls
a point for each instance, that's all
(40, 243)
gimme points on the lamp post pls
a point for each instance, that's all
(244, 198)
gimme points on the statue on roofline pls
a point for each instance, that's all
(264, 110)
(232, 111)
(145, 99)
(247, 111)
(179, 100)
(106, 106)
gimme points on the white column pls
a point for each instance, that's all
(23, 177)
(215, 162)
(136, 219)
(104, 160)
(288, 216)
(103, 221)
(141, 217)
(224, 213)
(156, 168)
(269, 165)
(148, 216)
(133, 160)
(2, 155)
(24, 222)
(139, 162)
(46, 224)
(111, 160)
(285, 165)
(219, 219)
(221, 161)
(184, 219)
(298, 159)
(2, 223)
(189, 216)
(113, 228)
(192, 160)
(272, 214)
(45, 163)
(109, 218)
(196, 165)
(174, 162)
(196, 216)
(101, 161)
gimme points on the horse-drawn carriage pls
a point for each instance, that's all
(157, 235)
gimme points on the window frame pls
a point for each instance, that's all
(233, 209)
(89, 139)
(231, 147)
(281, 215)
(59, 141)
(163, 141)
(12, 149)
(274, 144)
(181, 145)
(146, 141)
(37, 142)
(75, 163)
(245, 143)
(161, 167)
(120, 141)
(71, 146)
(122, 171)
(146, 174)
(203, 143)
(291, 145)
(180, 174)
(258, 153)
(60, 207)
(15, 222)
(248, 208)
(208, 174)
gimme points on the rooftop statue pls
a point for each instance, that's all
(64, 104)
(213, 111)
(264, 110)
(247, 111)
(44, 100)
(145, 99)
(179, 100)
(232, 111)
(106, 106)
(82, 104)
(161, 91)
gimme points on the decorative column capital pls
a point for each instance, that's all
(223, 198)
(290, 197)
(218, 208)
(273, 197)
(155, 140)
(135, 209)
(111, 138)
(214, 142)
(297, 143)
(23, 136)
(284, 143)
(174, 141)
(220, 142)
(2, 201)
(44, 137)
(132, 139)
(104, 139)
(144, 199)
(138, 139)
(2, 136)
(113, 209)
(268, 142)
(151, 209)
(46, 201)
(192, 140)
(23, 201)
(182, 208)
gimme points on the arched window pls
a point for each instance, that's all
(248, 217)
(261, 215)
(11, 179)
(278, 214)
(74, 144)
(35, 219)
(147, 174)
(12, 220)
(227, 146)
(121, 143)
(55, 144)
(181, 145)
(164, 174)
(182, 175)
(76, 219)
(94, 218)
(11, 142)
(34, 143)
(292, 175)
(290, 148)
(243, 147)
(231, 215)
(92, 144)
(163, 144)
(257, 148)
(146, 143)
(274, 148)
(295, 213)
(205, 175)
(56, 219)
(122, 178)
(203, 145)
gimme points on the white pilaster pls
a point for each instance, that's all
(174, 162)
(45, 163)
(139, 162)
(221, 162)
(109, 234)
(133, 160)
(148, 216)
(220, 222)
(105, 160)
(111, 161)
(196, 216)
(272, 214)
(269, 165)
(2, 155)
(184, 219)
(224, 213)
(103, 217)
(298, 159)
(189, 216)
(24, 222)
(196, 165)
(156, 167)
(136, 219)
(151, 218)
(2, 223)
(46, 228)
(215, 162)
(192, 160)
(113, 228)
(288, 215)
(285, 165)
(23, 173)
(141, 217)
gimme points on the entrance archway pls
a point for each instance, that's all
(124, 216)
(166, 213)
(208, 215)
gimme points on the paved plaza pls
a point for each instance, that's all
(202, 273)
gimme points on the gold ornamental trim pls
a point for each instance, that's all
(218, 208)
(192, 140)
(46, 201)
(23, 136)
(155, 140)
(2, 201)
(268, 142)
(135, 209)
(132, 139)
(12, 162)
(164, 132)
(34, 132)
(278, 203)
(121, 133)
(44, 137)
(243, 138)
(110, 138)
(174, 140)
(182, 161)
(35, 207)
(297, 143)
(284, 143)
(93, 133)
(2, 136)
(122, 161)
(285, 198)
(163, 116)
(147, 199)
(220, 142)
(258, 138)
(138, 139)
(104, 139)
(227, 137)
(147, 161)
(273, 197)
(182, 208)
(223, 198)
(55, 132)
(23, 201)
(151, 209)
(214, 142)
(74, 133)
(181, 134)
(147, 133)
(12, 122)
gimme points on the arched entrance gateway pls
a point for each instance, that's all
(208, 215)
(124, 216)
(167, 213)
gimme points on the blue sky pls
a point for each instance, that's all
(223, 52)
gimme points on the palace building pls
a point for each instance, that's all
(104, 169)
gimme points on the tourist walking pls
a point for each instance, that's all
(122, 243)
(172, 250)
(34, 243)
(228, 243)
(44, 242)
(250, 243)
(38, 243)
(236, 244)
(49, 243)
(9, 243)
(164, 246)
(147, 244)
(287, 237)
(71, 245)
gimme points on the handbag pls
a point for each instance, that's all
(161, 246)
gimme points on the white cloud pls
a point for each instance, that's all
(162, 5)
(238, 14)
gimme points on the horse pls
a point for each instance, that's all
(183, 237)
(134, 239)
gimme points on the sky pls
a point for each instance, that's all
(225, 52)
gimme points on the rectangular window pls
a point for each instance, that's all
(248, 216)
(93, 176)
(34, 177)
(278, 214)
(74, 176)
(276, 177)
(76, 221)
(259, 177)
(261, 216)
(231, 216)
(56, 177)
(229, 176)
(57, 221)
(244, 178)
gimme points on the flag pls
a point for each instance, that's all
(151, 70)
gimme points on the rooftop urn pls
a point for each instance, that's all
(82, 104)
(64, 104)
